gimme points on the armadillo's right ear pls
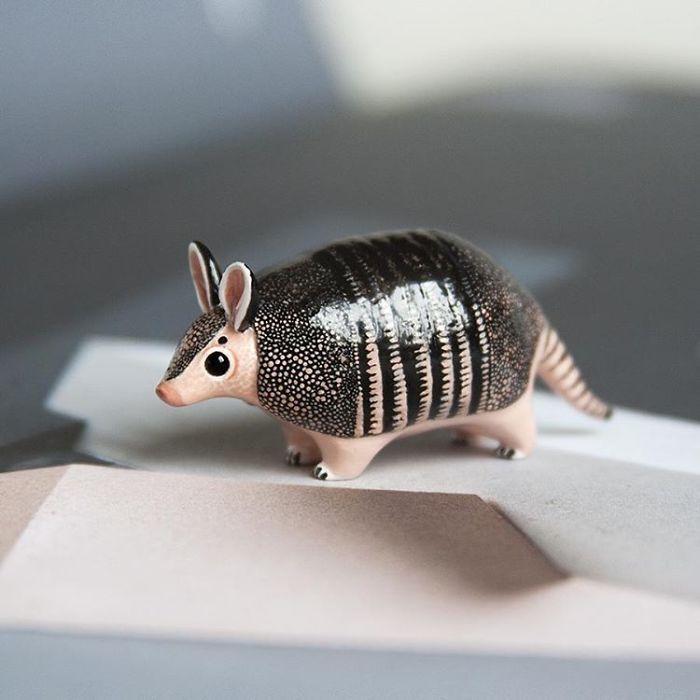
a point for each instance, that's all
(206, 275)
(239, 295)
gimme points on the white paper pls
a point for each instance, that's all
(616, 501)
(128, 552)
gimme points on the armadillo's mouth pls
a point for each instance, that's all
(169, 394)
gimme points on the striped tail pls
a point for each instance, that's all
(558, 370)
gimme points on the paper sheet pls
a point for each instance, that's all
(131, 552)
(617, 501)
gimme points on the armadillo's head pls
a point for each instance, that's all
(218, 355)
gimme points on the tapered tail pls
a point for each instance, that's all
(558, 370)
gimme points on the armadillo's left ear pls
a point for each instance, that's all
(205, 275)
(239, 295)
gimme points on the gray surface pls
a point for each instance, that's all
(76, 667)
(616, 501)
(88, 87)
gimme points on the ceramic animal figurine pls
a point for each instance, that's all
(372, 338)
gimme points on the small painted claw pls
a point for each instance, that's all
(509, 453)
(320, 472)
(324, 473)
(293, 457)
(299, 456)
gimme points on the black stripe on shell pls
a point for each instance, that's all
(360, 258)
(363, 368)
(459, 274)
(390, 341)
(407, 319)
(345, 279)
(411, 259)
(444, 311)
(456, 370)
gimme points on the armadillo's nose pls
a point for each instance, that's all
(166, 392)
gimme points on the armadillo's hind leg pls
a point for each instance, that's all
(301, 447)
(346, 458)
(465, 436)
(513, 428)
(517, 438)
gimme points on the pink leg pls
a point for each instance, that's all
(513, 428)
(346, 458)
(301, 447)
(466, 436)
(515, 442)
(515, 431)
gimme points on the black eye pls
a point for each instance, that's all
(217, 364)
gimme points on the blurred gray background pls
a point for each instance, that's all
(563, 140)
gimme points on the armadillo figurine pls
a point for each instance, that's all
(373, 338)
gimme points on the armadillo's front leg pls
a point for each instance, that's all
(346, 458)
(301, 447)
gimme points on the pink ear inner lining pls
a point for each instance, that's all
(236, 288)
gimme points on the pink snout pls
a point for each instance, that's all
(166, 392)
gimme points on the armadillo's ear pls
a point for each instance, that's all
(206, 275)
(239, 295)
